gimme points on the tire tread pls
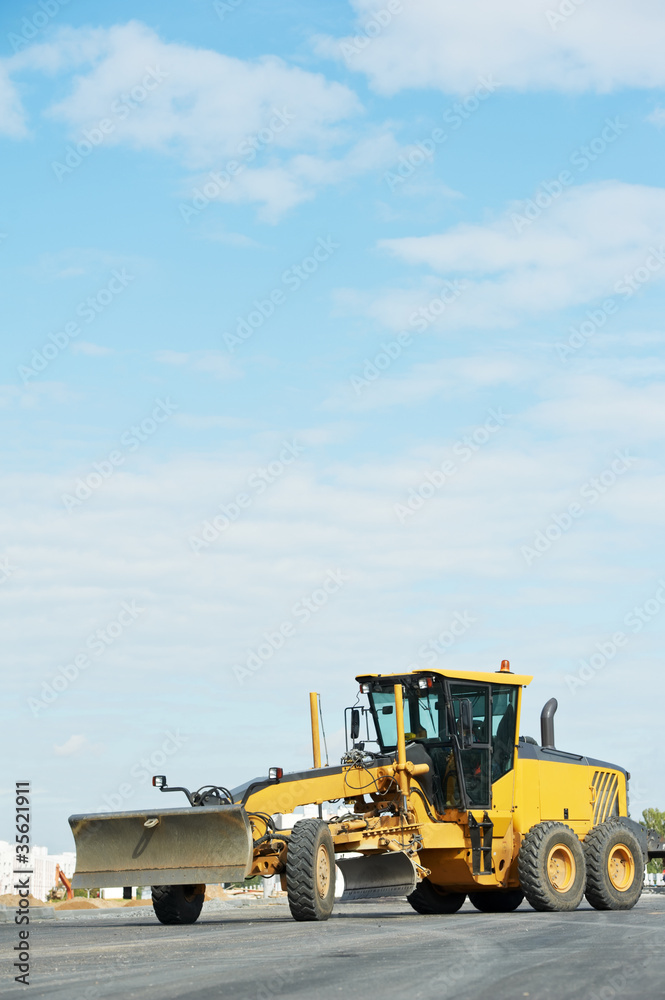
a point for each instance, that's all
(598, 893)
(528, 864)
(171, 907)
(300, 875)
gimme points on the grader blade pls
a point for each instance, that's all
(171, 847)
(377, 875)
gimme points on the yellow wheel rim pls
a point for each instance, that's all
(561, 868)
(621, 867)
(322, 872)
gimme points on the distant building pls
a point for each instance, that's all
(42, 864)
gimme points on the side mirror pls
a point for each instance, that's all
(466, 722)
(355, 724)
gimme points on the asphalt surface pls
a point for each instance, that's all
(366, 950)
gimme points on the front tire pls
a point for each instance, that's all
(551, 867)
(497, 901)
(310, 871)
(615, 867)
(428, 898)
(177, 904)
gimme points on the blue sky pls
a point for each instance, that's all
(413, 207)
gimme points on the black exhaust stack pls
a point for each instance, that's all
(547, 724)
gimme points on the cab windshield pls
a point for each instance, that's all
(486, 752)
(422, 720)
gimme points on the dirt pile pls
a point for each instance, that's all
(216, 892)
(12, 899)
(81, 903)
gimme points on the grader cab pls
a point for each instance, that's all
(439, 800)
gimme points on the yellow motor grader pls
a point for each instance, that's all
(439, 800)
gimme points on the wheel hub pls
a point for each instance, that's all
(621, 867)
(561, 868)
(322, 871)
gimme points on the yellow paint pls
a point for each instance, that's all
(316, 739)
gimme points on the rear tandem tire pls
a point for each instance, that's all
(614, 866)
(177, 904)
(551, 867)
(310, 870)
(497, 901)
(428, 898)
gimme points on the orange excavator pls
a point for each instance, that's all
(61, 877)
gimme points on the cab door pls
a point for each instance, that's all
(475, 746)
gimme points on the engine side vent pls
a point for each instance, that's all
(605, 787)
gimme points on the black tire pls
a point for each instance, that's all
(497, 900)
(177, 904)
(551, 867)
(429, 898)
(614, 866)
(310, 871)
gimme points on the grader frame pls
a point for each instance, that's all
(455, 804)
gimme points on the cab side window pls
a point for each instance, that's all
(504, 717)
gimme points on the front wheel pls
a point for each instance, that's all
(310, 871)
(428, 898)
(177, 904)
(497, 900)
(615, 867)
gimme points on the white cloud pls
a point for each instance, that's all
(198, 103)
(578, 249)
(12, 115)
(453, 377)
(634, 413)
(72, 746)
(524, 44)
(216, 363)
(232, 239)
(90, 350)
(279, 187)
(657, 117)
(276, 131)
(32, 395)
(198, 422)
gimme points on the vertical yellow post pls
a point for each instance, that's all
(316, 741)
(401, 747)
